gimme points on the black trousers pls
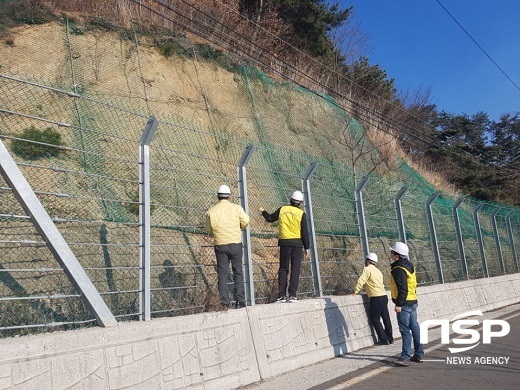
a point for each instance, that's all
(290, 256)
(379, 310)
(226, 254)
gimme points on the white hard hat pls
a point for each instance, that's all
(372, 257)
(297, 196)
(223, 190)
(401, 248)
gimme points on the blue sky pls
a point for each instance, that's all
(419, 45)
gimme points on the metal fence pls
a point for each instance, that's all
(128, 194)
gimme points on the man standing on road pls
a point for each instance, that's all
(372, 279)
(224, 222)
(403, 284)
(293, 235)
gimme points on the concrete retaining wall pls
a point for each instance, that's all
(223, 350)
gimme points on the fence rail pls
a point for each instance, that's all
(129, 203)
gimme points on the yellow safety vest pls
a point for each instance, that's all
(289, 222)
(411, 281)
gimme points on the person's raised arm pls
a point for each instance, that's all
(270, 217)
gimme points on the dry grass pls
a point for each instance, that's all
(429, 174)
(223, 27)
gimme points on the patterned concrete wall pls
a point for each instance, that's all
(223, 350)
(205, 351)
(448, 300)
(291, 335)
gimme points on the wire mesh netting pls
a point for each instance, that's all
(73, 125)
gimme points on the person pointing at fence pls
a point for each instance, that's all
(224, 221)
(293, 242)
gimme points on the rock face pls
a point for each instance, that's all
(187, 82)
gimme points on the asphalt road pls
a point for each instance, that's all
(486, 366)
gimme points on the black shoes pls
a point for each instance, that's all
(292, 298)
(383, 342)
(237, 305)
(416, 359)
(402, 362)
(405, 363)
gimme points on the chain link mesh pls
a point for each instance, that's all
(91, 94)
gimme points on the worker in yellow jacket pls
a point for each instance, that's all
(294, 244)
(372, 279)
(224, 222)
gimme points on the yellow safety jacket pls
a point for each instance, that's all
(372, 279)
(224, 222)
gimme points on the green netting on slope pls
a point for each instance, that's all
(209, 108)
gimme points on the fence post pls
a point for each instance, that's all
(511, 238)
(315, 265)
(433, 236)
(53, 238)
(246, 233)
(460, 242)
(497, 239)
(360, 209)
(144, 218)
(479, 239)
(399, 214)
